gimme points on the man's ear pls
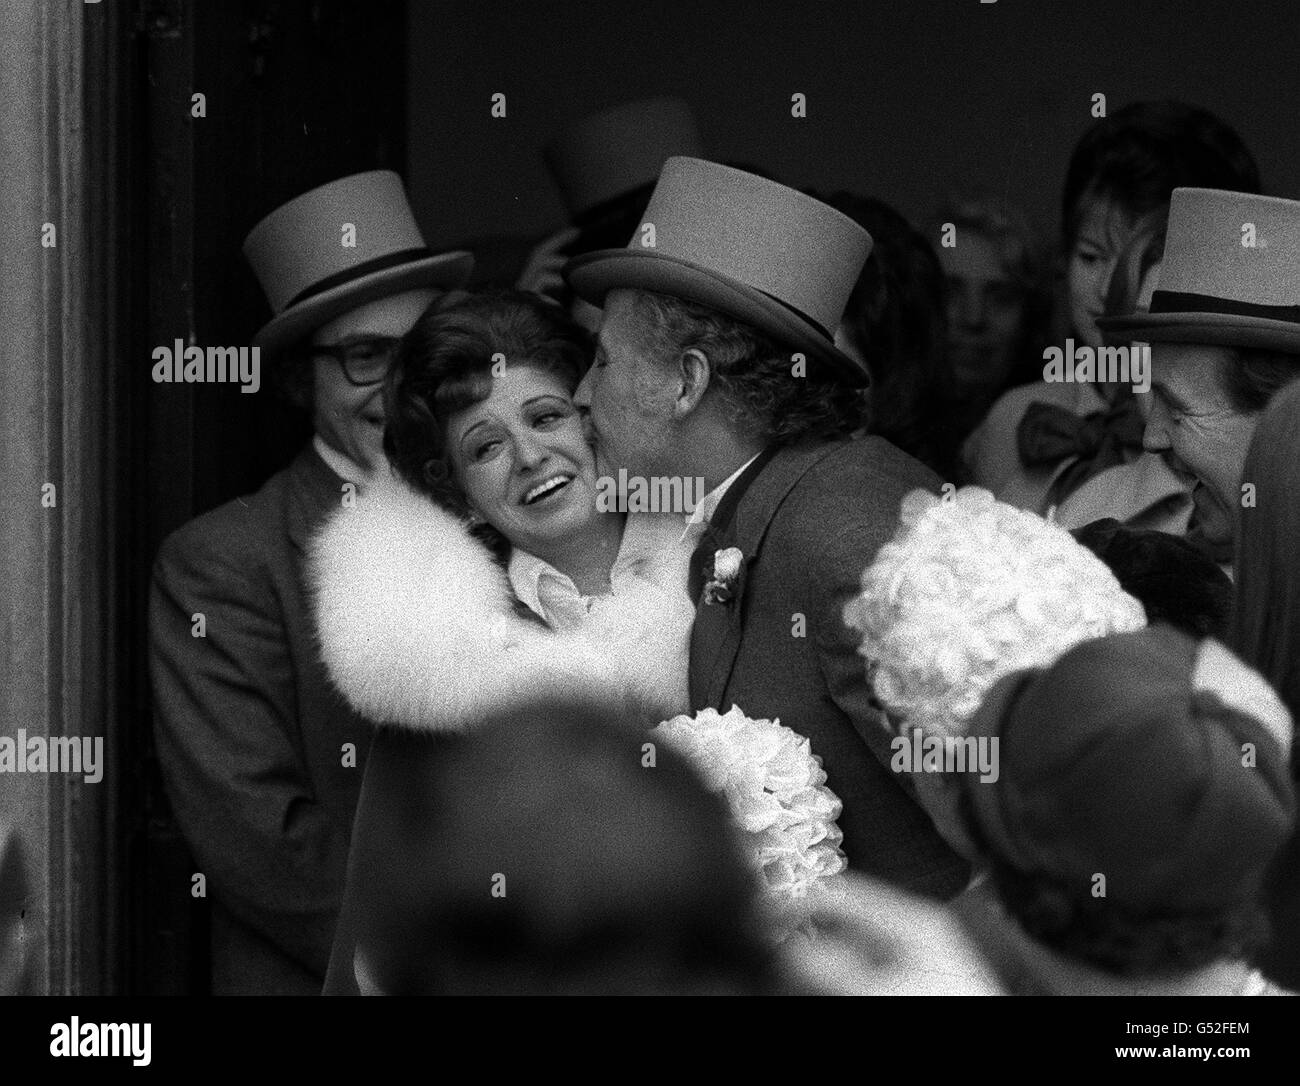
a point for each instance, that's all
(693, 376)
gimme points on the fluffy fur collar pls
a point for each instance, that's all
(418, 627)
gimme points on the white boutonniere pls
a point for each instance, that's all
(721, 586)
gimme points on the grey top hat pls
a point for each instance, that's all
(753, 249)
(310, 276)
(1230, 277)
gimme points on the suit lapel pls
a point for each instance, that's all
(715, 636)
(719, 628)
(314, 492)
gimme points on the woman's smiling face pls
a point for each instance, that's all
(523, 461)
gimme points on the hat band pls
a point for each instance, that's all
(358, 271)
(818, 328)
(1175, 301)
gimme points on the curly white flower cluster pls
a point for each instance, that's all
(777, 791)
(969, 590)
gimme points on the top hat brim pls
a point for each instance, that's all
(593, 275)
(1214, 329)
(445, 270)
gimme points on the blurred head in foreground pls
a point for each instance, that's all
(546, 855)
(1143, 791)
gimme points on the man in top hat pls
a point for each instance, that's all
(1143, 792)
(1224, 330)
(262, 760)
(716, 361)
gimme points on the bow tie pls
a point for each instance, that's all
(1048, 434)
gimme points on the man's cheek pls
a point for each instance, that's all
(1190, 449)
(1208, 451)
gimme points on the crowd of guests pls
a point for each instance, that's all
(405, 748)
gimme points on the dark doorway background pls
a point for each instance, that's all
(905, 100)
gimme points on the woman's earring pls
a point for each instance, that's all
(475, 521)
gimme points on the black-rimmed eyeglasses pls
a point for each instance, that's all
(364, 360)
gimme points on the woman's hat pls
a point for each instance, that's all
(610, 153)
(1230, 277)
(760, 252)
(1150, 758)
(313, 268)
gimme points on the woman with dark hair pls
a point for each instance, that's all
(1266, 626)
(1042, 442)
(486, 580)
(1126, 167)
(456, 425)
(497, 563)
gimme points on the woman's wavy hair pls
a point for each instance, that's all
(444, 364)
(752, 373)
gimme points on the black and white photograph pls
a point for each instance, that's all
(603, 499)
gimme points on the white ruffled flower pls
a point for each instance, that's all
(721, 586)
(969, 590)
(726, 563)
(776, 788)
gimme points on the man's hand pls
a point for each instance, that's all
(541, 273)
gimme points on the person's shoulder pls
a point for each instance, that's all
(235, 534)
(847, 504)
(864, 470)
